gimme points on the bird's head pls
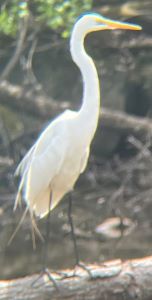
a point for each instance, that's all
(95, 22)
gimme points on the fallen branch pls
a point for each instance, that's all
(114, 280)
(22, 99)
(122, 122)
(45, 108)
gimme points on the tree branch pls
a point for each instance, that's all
(21, 99)
(44, 107)
(122, 122)
(114, 280)
(19, 48)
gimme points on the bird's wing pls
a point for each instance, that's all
(85, 159)
(43, 160)
(24, 162)
(39, 165)
(47, 158)
(22, 170)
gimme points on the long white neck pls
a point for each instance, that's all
(89, 111)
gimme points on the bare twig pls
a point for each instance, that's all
(19, 48)
(30, 75)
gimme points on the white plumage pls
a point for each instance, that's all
(54, 163)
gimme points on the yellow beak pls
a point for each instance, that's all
(112, 24)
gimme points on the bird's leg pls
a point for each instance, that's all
(78, 263)
(45, 253)
(45, 270)
(72, 231)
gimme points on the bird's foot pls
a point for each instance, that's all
(82, 266)
(50, 277)
(76, 272)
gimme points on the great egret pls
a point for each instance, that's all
(54, 163)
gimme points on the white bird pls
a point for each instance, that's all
(60, 154)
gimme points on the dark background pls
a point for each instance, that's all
(116, 188)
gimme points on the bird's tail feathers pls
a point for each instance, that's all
(18, 226)
(41, 205)
(19, 193)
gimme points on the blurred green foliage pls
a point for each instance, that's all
(58, 15)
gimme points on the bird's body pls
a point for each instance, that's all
(63, 160)
(54, 163)
(67, 161)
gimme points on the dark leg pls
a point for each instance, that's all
(45, 270)
(72, 231)
(78, 263)
(45, 253)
